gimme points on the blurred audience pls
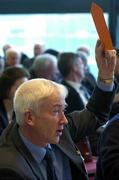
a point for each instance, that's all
(84, 49)
(25, 60)
(10, 80)
(5, 48)
(2, 65)
(52, 52)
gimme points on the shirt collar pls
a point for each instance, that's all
(75, 85)
(37, 151)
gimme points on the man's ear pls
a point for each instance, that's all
(29, 117)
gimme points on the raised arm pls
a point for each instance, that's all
(99, 105)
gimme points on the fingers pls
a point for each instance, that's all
(101, 53)
(99, 44)
(110, 58)
(106, 61)
(110, 54)
(99, 47)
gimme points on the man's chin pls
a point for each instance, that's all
(56, 141)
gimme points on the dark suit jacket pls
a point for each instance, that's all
(108, 162)
(16, 159)
(73, 99)
(3, 117)
(89, 82)
(75, 102)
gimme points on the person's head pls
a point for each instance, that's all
(38, 49)
(84, 49)
(45, 66)
(84, 58)
(13, 58)
(52, 52)
(10, 80)
(70, 63)
(39, 108)
(5, 48)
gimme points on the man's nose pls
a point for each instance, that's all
(63, 118)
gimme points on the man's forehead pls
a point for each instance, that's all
(55, 101)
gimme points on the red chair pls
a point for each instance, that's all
(85, 149)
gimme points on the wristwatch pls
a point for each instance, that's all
(106, 81)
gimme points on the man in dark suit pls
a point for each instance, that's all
(38, 49)
(39, 106)
(108, 161)
(72, 69)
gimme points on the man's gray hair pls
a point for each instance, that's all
(32, 93)
(12, 51)
(42, 62)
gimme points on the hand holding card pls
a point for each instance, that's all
(103, 32)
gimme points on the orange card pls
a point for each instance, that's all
(103, 32)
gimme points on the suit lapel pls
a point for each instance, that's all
(26, 153)
(69, 148)
(3, 115)
(72, 95)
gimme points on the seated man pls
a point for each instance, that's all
(13, 58)
(44, 66)
(41, 127)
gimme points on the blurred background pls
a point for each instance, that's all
(58, 24)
